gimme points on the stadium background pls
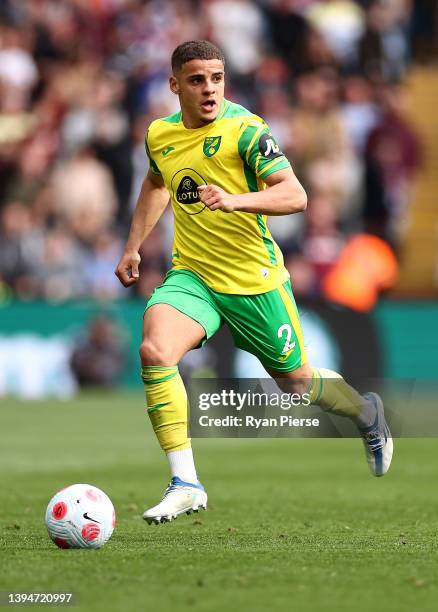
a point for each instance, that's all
(350, 91)
(348, 88)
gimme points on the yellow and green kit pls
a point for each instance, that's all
(266, 324)
(226, 267)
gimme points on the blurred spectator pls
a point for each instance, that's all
(322, 241)
(98, 358)
(302, 46)
(289, 31)
(102, 259)
(320, 148)
(384, 47)
(61, 274)
(393, 151)
(366, 267)
(83, 192)
(18, 71)
(237, 27)
(359, 109)
(21, 248)
(341, 22)
(304, 279)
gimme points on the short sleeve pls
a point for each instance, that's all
(259, 149)
(152, 164)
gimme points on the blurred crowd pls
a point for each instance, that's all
(81, 79)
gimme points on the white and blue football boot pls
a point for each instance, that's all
(377, 439)
(179, 497)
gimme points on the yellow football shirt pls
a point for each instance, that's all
(231, 252)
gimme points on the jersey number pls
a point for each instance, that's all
(288, 345)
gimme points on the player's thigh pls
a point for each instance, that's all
(167, 335)
(268, 326)
(179, 316)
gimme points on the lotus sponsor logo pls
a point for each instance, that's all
(185, 185)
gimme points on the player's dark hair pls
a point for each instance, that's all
(195, 49)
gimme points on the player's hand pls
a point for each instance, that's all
(216, 198)
(127, 268)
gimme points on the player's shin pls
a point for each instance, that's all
(166, 401)
(330, 391)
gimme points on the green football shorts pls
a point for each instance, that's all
(266, 325)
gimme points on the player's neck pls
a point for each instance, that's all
(194, 123)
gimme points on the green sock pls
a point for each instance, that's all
(330, 391)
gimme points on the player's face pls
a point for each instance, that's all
(200, 87)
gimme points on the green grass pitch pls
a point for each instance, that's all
(292, 524)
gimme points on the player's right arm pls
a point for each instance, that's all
(151, 203)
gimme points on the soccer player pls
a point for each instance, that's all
(224, 173)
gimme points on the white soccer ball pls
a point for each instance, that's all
(80, 516)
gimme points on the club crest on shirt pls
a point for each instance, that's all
(211, 145)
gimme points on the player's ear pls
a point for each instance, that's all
(173, 83)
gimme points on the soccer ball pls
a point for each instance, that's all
(80, 516)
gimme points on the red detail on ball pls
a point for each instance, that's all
(59, 510)
(61, 543)
(90, 531)
(93, 495)
(114, 519)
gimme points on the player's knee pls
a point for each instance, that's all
(155, 353)
(290, 385)
(297, 381)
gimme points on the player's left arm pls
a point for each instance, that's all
(284, 196)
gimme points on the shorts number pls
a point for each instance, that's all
(288, 345)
